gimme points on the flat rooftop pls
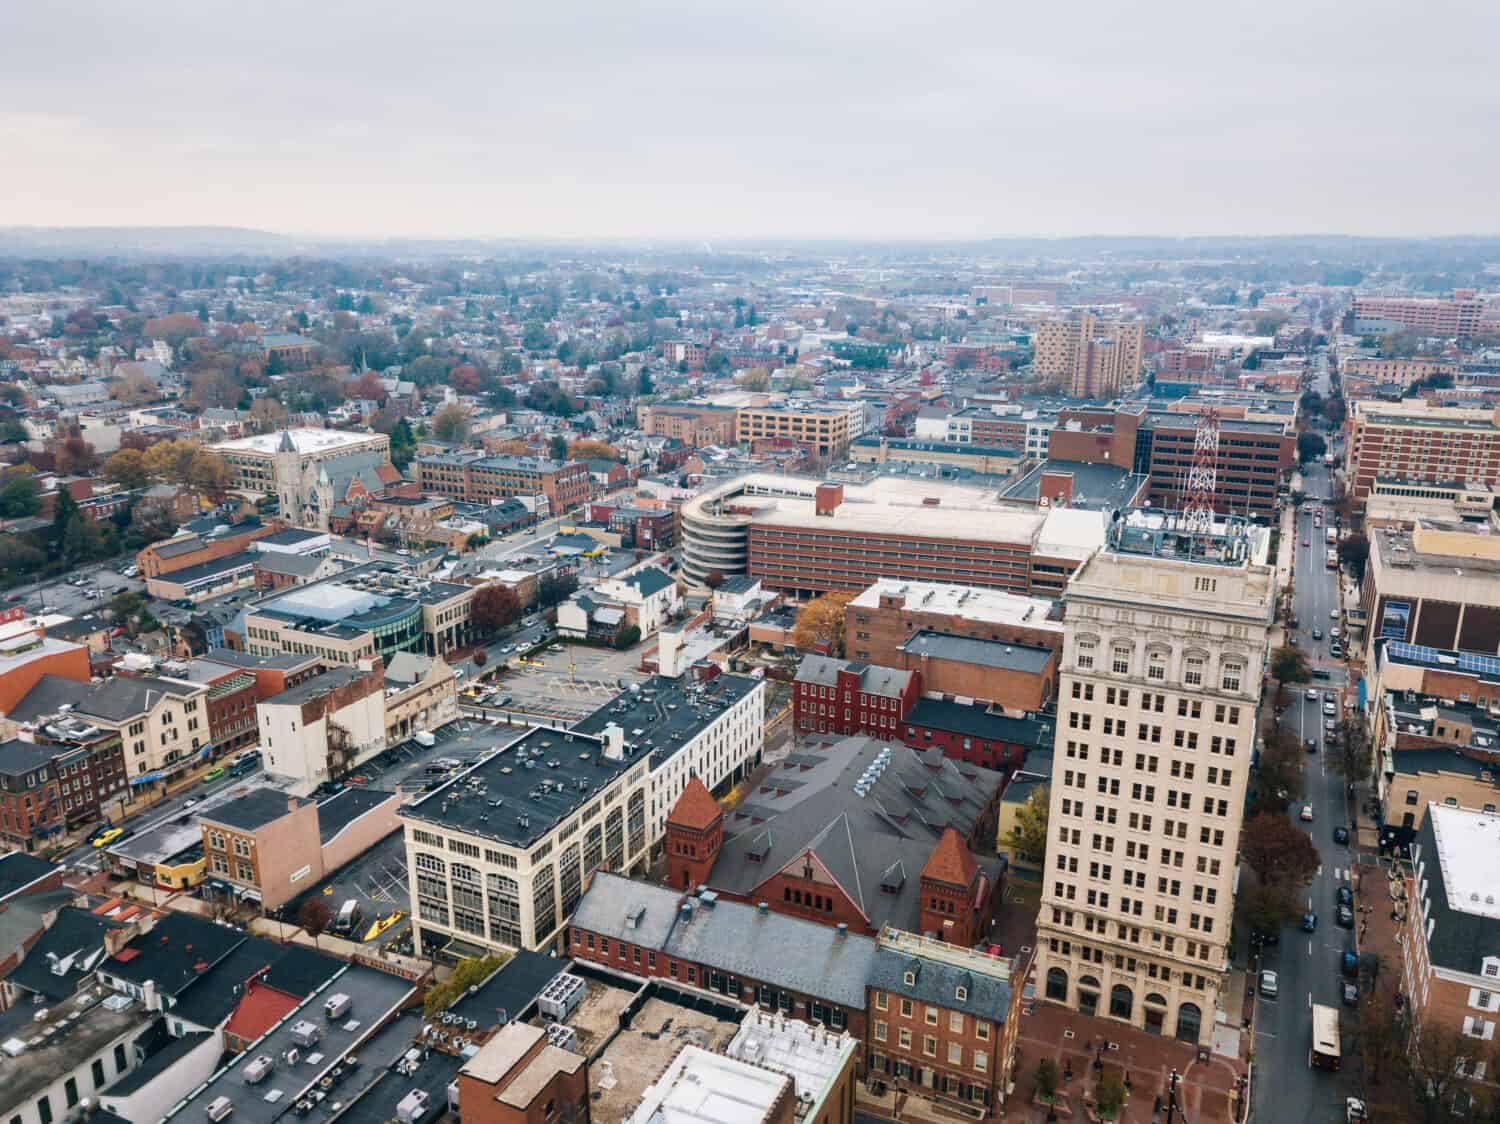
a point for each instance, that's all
(1099, 487)
(969, 602)
(699, 1087)
(376, 995)
(997, 654)
(304, 440)
(519, 793)
(640, 1053)
(73, 1033)
(666, 714)
(1468, 845)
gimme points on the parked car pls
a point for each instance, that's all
(213, 775)
(1268, 985)
(1333, 614)
(1349, 963)
(1345, 896)
(1344, 916)
(1350, 994)
(1306, 814)
(107, 836)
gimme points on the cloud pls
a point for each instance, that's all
(820, 118)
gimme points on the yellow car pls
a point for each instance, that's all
(108, 836)
(382, 924)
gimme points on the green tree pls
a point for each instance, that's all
(467, 973)
(1047, 1076)
(557, 448)
(1354, 552)
(644, 385)
(1310, 446)
(20, 497)
(1289, 665)
(1028, 837)
(534, 336)
(82, 540)
(451, 423)
(627, 637)
(64, 511)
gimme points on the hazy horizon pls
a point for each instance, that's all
(822, 122)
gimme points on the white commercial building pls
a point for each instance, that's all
(1163, 660)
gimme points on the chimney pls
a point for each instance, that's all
(827, 497)
(614, 742)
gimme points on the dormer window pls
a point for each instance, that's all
(961, 994)
(910, 979)
(1491, 967)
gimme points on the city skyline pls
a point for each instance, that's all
(571, 122)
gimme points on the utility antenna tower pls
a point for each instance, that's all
(1198, 510)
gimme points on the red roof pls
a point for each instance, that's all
(951, 861)
(261, 1008)
(695, 808)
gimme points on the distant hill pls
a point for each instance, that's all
(132, 241)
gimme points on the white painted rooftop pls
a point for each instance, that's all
(1468, 848)
(972, 603)
(703, 1088)
(304, 440)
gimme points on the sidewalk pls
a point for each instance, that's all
(1205, 1091)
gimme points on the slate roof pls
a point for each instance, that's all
(803, 956)
(648, 580)
(875, 680)
(76, 933)
(18, 757)
(291, 565)
(876, 846)
(176, 953)
(122, 696)
(937, 984)
(636, 912)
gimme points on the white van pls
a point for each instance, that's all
(258, 1070)
(219, 1108)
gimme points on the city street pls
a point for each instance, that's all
(1286, 1088)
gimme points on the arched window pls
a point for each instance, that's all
(1234, 671)
(1156, 665)
(1057, 984)
(1189, 1021)
(1192, 669)
(1121, 1001)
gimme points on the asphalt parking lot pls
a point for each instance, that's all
(376, 880)
(567, 681)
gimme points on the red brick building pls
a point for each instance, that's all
(476, 479)
(839, 697)
(695, 832)
(518, 1077)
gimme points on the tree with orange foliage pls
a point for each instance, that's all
(822, 620)
(592, 451)
(175, 329)
(464, 379)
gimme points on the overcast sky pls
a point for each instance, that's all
(704, 119)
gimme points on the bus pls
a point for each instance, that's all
(245, 762)
(1326, 1051)
(1333, 560)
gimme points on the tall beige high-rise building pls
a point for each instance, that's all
(1162, 664)
(1095, 358)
